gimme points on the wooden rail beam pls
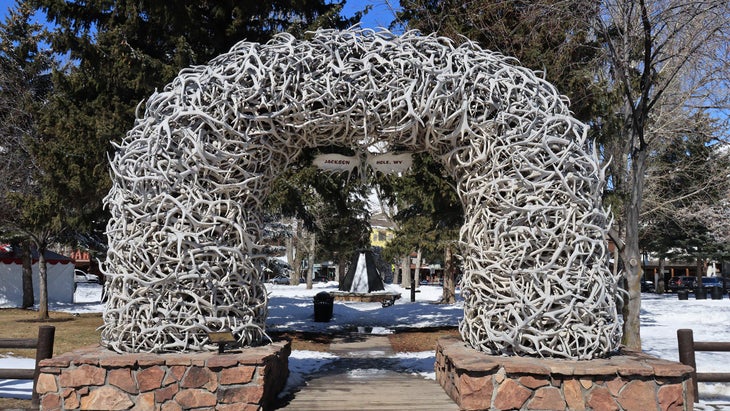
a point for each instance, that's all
(43, 346)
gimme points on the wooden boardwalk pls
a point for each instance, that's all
(371, 390)
(363, 378)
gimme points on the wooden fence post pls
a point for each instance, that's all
(44, 350)
(685, 340)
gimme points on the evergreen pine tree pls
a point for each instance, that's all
(29, 206)
(118, 53)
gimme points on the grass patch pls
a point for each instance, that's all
(73, 331)
(417, 340)
(15, 404)
(308, 341)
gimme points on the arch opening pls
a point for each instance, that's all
(189, 181)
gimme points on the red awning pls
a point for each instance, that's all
(12, 255)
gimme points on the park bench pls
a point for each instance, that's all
(688, 346)
(43, 346)
(389, 300)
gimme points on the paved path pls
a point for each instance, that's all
(364, 379)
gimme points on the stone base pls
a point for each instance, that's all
(100, 379)
(631, 381)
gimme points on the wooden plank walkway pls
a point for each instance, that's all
(371, 390)
(363, 378)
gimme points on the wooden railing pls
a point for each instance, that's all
(43, 346)
(687, 348)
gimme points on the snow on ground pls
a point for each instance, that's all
(663, 315)
(16, 388)
(291, 308)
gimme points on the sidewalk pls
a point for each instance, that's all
(364, 378)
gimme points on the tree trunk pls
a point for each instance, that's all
(310, 269)
(297, 274)
(449, 290)
(341, 266)
(416, 276)
(293, 256)
(27, 259)
(659, 278)
(290, 251)
(701, 264)
(405, 266)
(631, 255)
(42, 284)
(417, 273)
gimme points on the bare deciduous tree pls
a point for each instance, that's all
(662, 56)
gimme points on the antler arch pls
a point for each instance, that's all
(189, 178)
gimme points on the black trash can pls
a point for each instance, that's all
(683, 294)
(701, 293)
(323, 303)
(716, 293)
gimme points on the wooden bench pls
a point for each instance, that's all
(389, 300)
(43, 346)
(386, 299)
(688, 346)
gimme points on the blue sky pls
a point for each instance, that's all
(4, 6)
(381, 15)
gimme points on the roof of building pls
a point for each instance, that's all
(13, 255)
(381, 220)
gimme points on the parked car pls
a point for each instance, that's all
(682, 282)
(278, 267)
(713, 282)
(279, 279)
(647, 286)
(82, 277)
